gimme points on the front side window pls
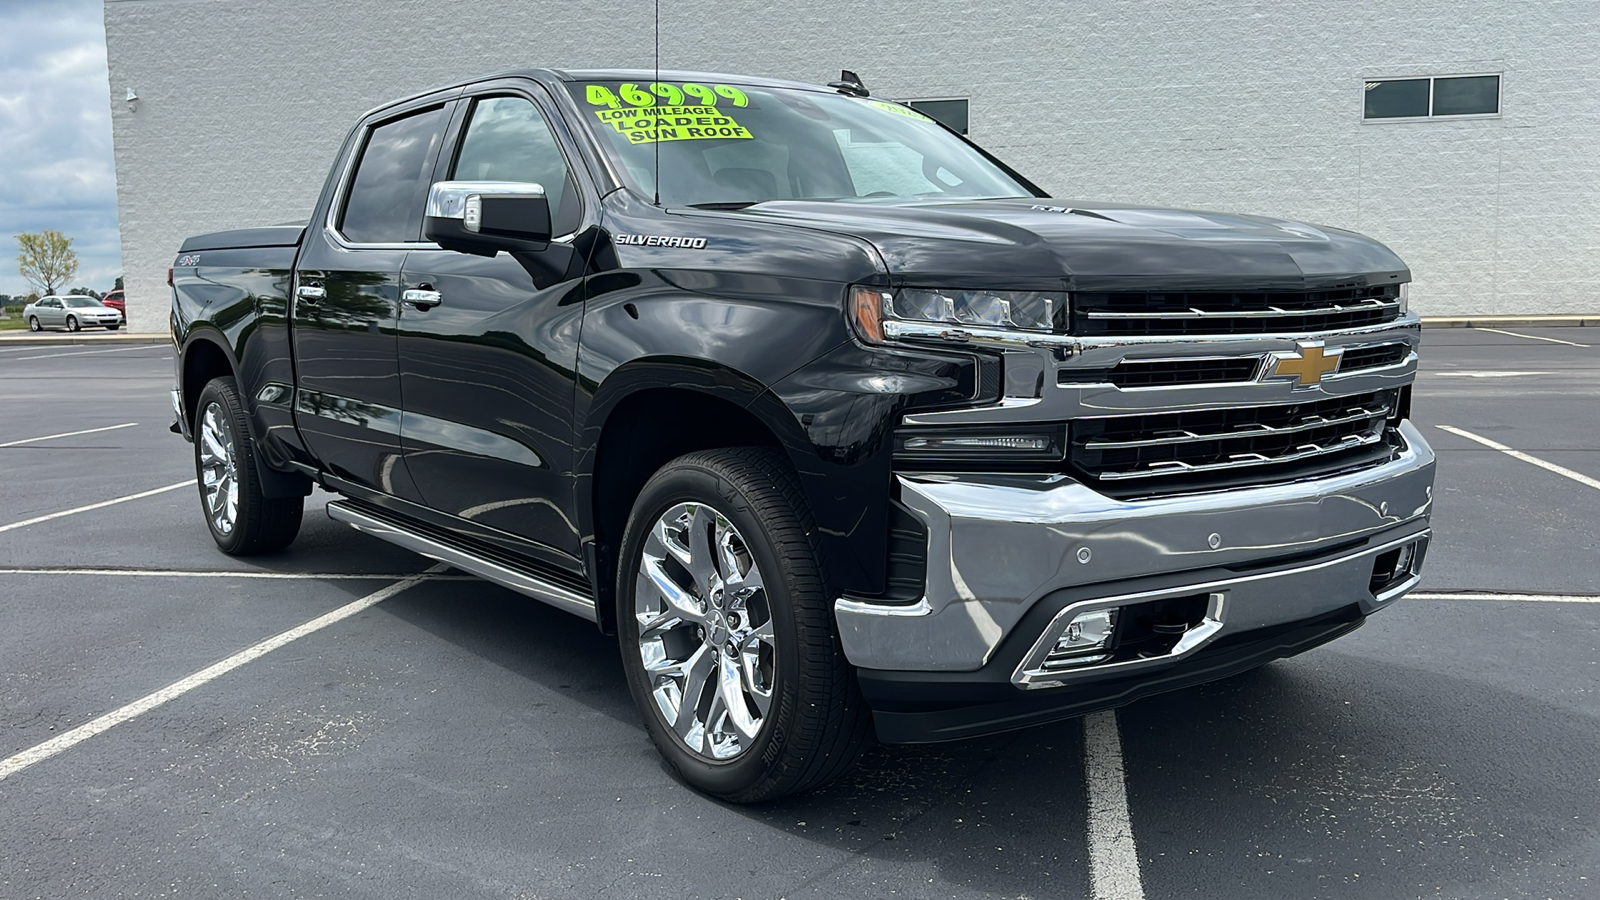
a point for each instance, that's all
(508, 140)
(1421, 98)
(723, 144)
(385, 203)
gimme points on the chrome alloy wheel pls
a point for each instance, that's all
(705, 631)
(218, 478)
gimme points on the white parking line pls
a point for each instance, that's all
(1113, 857)
(51, 437)
(102, 504)
(1563, 471)
(1501, 374)
(1498, 595)
(139, 707)
(1534, 337)
(220, 573)
(88, 352)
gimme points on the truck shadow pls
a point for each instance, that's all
(1331, 774)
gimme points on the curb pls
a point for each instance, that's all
(1513, 321)
(35, 339)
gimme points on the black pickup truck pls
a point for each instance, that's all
(838, 423)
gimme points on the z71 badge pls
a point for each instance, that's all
(661, 240)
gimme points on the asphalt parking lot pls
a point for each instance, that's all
(456, 740)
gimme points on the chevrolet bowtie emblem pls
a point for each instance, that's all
(1309, 364)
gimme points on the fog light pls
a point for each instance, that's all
(1394, 567)
(1402, 562)
(1086, 640)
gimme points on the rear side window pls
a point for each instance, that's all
(385, 200)
(508, 140)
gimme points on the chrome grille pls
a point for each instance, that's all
(1232, 312)
(1212, 448)
(1358, 358)
(1172, 372)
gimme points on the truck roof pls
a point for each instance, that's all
(552, 77)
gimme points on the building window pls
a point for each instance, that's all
(952, 112)
(1424, 98)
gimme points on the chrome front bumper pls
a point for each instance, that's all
(999, 544)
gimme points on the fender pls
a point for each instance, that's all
(699, 376)
(275, 483)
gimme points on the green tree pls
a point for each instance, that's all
(86, 292)
(118, 285)
(46, 259)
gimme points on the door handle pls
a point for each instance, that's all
(311, 292)
(423, 297)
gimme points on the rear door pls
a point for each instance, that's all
(347, 296)
(487, 361)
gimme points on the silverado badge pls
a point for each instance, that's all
(1309, 363)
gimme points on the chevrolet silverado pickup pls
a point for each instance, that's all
(843, 427)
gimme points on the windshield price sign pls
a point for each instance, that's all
(657, 111)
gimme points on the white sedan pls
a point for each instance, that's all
(71, 312)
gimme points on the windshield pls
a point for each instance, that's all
(726, 144)
(81, 302)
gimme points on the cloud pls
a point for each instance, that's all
(56, 168)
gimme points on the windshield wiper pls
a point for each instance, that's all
(728, 204)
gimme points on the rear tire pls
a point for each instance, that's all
(744, 656)
(33, 324)
(240, 519)
(72, 323)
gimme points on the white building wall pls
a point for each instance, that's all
(1245, 107)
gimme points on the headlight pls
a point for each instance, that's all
(1030, 311)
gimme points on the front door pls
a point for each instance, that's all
(489, 345)
(346, 305)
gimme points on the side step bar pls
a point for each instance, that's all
(515, 579)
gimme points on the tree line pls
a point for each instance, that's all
(46, 260)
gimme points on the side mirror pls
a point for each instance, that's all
(485, 217)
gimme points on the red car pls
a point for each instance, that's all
(114, 300)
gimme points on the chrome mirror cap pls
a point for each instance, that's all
(463, 200)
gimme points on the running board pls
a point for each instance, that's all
(515, 579)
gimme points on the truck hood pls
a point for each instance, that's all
(1032, 242)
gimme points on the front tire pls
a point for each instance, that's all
(114, 327)
(72, 323)
(240, 519)
(727, 631)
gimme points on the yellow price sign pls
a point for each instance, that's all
(664, 94)
(650, 124)
(899, 110)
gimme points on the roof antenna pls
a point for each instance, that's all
(657, 141)
(848, 83)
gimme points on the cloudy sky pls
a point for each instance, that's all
(55, 136)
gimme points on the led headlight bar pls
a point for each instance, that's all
(1022, 443)
(1022, 311)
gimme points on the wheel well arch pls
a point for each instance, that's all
(643, 432)
(203, 360)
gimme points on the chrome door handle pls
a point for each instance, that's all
(423, 297)
(311, 292)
